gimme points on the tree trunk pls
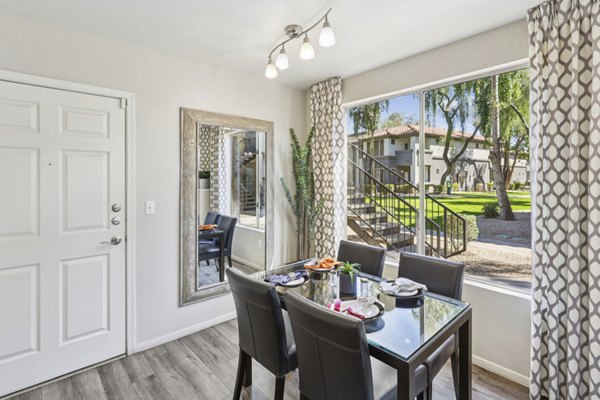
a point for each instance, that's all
(506, 211)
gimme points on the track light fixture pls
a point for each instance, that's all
(307, 51)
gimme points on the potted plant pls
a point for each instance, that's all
(347, 271)
(203, 179)
(305, 207)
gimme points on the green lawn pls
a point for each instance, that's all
(469, 203)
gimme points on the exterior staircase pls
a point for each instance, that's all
(383, 210)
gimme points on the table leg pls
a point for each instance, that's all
(222, 258)
(406, 383)
(464, 360)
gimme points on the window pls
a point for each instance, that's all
(437, 141)
(405, 146)
(393, 141)
(470, 177)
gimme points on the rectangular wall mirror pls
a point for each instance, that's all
(225, 200)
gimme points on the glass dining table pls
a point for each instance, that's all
(407, 332)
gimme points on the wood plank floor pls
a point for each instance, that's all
(203, 366)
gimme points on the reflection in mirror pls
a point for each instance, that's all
(231, 201)
(225, 200)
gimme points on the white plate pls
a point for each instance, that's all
(295, 282)
(370, 311)
(406, 294)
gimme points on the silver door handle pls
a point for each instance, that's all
(113, 240)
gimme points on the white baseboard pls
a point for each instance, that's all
(248, 263)
(183, 332)
(502, 371)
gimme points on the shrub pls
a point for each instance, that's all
(517, 185)
(455, 187)
(439, 189)
(470, 224)
(472, 229)
(479, 187)
(367, 188)
(490, 186)
(429, 188)
(490, 210)
(403, 189)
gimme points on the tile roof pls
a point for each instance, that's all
(413, 130)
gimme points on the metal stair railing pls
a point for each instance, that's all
(396, 194)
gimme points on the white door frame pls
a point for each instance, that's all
(50, 83)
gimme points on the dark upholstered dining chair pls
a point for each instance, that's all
(371, 258)
(210, 251)
(211, 218)
(442, 277)
(333, 356)
(263, 334)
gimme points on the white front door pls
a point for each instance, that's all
(62, 180)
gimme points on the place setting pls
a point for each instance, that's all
(408, 293)
(290, 280)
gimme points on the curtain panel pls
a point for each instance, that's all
(329, 157)
(565, 154)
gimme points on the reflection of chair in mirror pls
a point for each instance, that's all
(211, 218)
(210, 251)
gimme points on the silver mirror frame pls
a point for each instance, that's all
(188, 229)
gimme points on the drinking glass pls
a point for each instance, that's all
(363, 294)
(334, 282)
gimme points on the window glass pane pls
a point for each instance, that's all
(472, 140)
(383, 195)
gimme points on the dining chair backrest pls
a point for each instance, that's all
(261, 326)
(439, 275)
(371, 258)
(333, 354)
(212, 218)
(227, 224)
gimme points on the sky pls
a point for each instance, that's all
(407, 105)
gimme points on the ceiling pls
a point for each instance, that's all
(238, 35)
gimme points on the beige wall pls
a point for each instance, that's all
(162, 84)
(489, 49)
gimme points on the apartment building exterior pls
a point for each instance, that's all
(398, 149)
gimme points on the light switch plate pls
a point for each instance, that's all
(150, 207)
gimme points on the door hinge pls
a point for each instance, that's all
(123, 103)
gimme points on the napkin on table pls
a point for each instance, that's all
(285, 278)
(401, 285)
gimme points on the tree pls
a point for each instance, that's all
(455, 102)
(505, 211)
(393, 120)
(513, 92)
(366, 118)
(397, 119)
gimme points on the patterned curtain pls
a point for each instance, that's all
(218, 171)
(565, 154)
(329, 157)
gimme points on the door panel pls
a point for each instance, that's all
(85, 297)
(19, 178)
(85, 183)
(18, 115)
(19, 313)
(81, 122)
(62, 284)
